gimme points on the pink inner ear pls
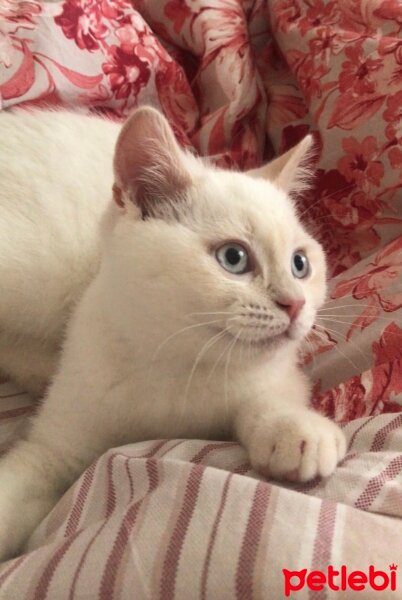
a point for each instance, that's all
(149, 164)
(117, 196)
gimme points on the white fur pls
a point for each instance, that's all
(163, 342)
(55, 183)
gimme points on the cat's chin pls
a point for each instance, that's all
(271, 342)
(266, 343)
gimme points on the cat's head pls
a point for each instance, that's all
(221, 253)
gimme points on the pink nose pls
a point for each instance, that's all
(292, 306)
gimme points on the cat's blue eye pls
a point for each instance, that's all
(233, 258)
(300, 265)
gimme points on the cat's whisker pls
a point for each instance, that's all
(208, 344)
(350, 341)
(176, 333)
(313, 356)
(327, 317)
(391, 287)
(173, 335)
(311, 362)
(216, 362)
(337, 332)
(351, 323)
(311, 351)
(322, 199)
(333, 331)
(210, 313)
(321, 335)
(356, 305)
(241, 352)
(252, 349)
(225, 376)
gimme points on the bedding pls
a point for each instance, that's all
(240, 81)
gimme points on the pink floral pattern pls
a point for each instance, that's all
(241, 81)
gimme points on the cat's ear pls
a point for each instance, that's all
(290, 171)
(149, 165)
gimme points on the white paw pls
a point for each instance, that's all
(297, 446)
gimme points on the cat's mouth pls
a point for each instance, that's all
(262, 343)
(269, 341)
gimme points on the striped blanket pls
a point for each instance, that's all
(240, 81)
(182, 519)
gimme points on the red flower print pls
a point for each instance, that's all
(127, 73)
(284, 106)
(114, 9)
(393, 115)
(309, 74)
(389, 45)
(387, 376)
(134, 35)
(15, 15)
(228, 47)
(389, 346)
(395, 158)
(341, 217)
(6, 51)
(177, 101)
(318, 14)
(359, 164)
(345, 402)
(286, 13)
(356, 72)
(316, 205)
(351, 110)
(390, 9)
(82, 21)
(325, 44)
(356, 210)
(354, 20)
(374, 283)
(177, 12)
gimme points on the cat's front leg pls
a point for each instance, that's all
(295, 444)
(32, 478)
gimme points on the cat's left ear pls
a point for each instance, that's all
(290, 171)
(149, 165)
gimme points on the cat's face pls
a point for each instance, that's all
(218, 252)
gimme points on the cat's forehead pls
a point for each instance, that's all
(238, 205)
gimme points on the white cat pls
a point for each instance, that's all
(202, 286)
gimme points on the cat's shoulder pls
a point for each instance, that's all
(34, 123)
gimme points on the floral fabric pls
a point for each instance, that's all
(241, 81)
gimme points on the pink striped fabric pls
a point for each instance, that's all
(181, 519)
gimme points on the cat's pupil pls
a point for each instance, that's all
(299, 262)
(233, 256)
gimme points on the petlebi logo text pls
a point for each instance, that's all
(340, 580)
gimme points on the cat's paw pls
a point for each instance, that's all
(296, 446)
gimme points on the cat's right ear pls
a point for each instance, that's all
(291, 171)
(149, 165)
